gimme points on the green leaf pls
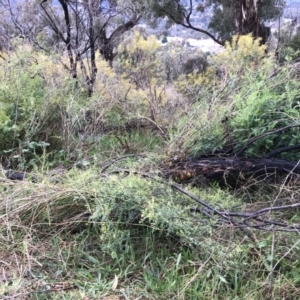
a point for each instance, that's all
(262, 244)
(222, 279)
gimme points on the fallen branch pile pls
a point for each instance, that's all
(260, 219)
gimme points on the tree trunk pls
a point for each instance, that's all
(247, 20)
(107, 44)
(65, 8)
(107, 50)
(222, 168)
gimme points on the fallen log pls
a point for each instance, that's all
(218, 168)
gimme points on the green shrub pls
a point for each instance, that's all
(35, 96)
(264, 104)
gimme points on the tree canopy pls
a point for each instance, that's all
(228, 17)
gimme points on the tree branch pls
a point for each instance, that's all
(252, 140)
(282, 149)
(188, 25)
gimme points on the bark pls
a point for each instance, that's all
(222, 168)
(65, 8)
(107, 44)
(91, 36)
(247, 20)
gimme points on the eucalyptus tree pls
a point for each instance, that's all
(243, 17)
(227, 17)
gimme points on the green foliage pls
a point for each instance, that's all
(245, 101)
(201, 130)
(172, 56)
(206, 134)
(159, 9)
(21, 92)
(248, 52)
(264, 104)
(124, 202)
(244, 49)
(110, 214)
(222, 23)
(118, 233)
(31, 107)
(138, 61)
(286, 41)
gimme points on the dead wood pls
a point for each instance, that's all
(218, 168)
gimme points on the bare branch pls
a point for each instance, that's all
(252, 140)
(237, 220)
(282, 149)
(188, 25)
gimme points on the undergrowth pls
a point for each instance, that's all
(91, 234)
(102, 218)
